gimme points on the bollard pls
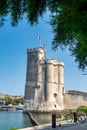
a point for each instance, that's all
(75, 115)
(53, 120)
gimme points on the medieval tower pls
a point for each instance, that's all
(44, 88)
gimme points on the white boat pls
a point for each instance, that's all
(19, 106)
(11, 107)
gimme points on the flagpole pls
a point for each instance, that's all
(40, 42)
(39, 38)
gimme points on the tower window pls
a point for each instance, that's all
(37, 86)
(55, 94)
(55, 105)
(35, 61)
(63, 91)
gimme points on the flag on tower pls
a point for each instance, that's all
(38, 37)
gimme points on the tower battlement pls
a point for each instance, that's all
(34, 50)
(55, 62)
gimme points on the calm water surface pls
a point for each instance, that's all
(12, 119)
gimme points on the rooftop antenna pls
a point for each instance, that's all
(39, 38)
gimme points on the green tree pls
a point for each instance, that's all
(68, 21)
(19, 100)
(8, 100)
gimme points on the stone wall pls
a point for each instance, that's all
(74, 99)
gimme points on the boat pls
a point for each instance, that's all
(19, 106)
(3, 108)
(9, 107)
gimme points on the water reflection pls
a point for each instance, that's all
(26, 121)
(42, 118)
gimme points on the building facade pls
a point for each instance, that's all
(44, 88)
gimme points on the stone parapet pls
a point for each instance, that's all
(34, 50)
(54, 62)
(73, 92)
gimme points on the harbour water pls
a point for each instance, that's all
(13, 119)
(16, 119)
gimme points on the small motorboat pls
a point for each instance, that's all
(11, 107)
(19, 106)
(3, 108)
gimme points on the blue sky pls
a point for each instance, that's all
(13, 44)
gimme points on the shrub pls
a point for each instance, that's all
(13, 129)
(82, 108)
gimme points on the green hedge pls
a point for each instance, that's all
(83, 108)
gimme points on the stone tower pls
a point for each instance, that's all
(44, 82)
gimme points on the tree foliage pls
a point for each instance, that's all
(10, 100)
(68, 21)
(69, 24)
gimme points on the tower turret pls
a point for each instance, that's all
(54, 84)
